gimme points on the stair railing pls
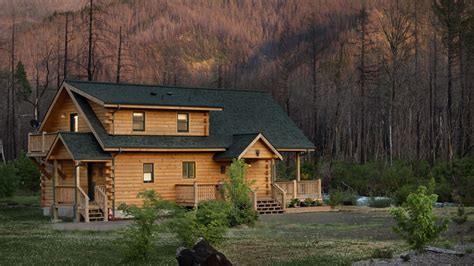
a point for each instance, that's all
(101, 199)
(279, 195)
(84, 204)
(253, 197)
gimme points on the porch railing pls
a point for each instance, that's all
(192, 194)
(279, 195)
(301, 189)
(101, 199)
(83, 203)
(40, 142)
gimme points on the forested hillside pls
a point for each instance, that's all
(365, 80)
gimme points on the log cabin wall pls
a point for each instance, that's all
(168, 173)
(160, 122)
(58, 119)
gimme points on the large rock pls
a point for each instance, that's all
(201, 254)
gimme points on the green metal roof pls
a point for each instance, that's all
(239, 143)
(83, 146)
(244, 112)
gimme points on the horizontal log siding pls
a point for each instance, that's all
(160, 122)
(167, 173)
(260, 172)
(64, 105)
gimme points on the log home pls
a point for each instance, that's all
(99, 144)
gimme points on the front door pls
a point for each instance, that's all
(90, 181)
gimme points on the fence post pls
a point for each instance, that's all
(319, 189)
(295, 189)
(195, 185)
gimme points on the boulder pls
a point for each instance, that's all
(202, 254)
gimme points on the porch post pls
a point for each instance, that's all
(55, 176)
(77, 176)
(195, 196)
(298, 167)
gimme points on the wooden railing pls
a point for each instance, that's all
(84, 204)
(192, 194)
(64, 194)
(253, 198)
(301, 189)
(40, 142)
(279, 195)
(101, 198)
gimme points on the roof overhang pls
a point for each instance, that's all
(244, 151)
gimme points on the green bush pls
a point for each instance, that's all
(308, 202)
(8, 180)
(139, 238)
(295, 203)
(335, 198)
(27, 173)
(213, 211)
(379, 203)
(415, 221)
(210, 221)
(237, 191)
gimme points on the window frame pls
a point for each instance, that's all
(133, 121)
(178, 122)
(152, 173)
(188, 163)
(73, 122)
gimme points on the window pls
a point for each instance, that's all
(189, 170)
(138, 121)
(73, 122)
(183, 122)
(223, 169)
(148, 173)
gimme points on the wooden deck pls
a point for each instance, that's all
(40, 143)
(192, 194)
(301, 189)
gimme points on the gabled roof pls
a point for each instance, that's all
(142, 95)
(241, 143)
(81, 146)
(243, 112)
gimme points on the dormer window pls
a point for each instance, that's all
(138, 121)
(73, 122)
(183, 122)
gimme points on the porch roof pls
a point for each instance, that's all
(81, 146)
(240, 143)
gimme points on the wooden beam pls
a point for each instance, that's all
(55, 180)
(298, 167)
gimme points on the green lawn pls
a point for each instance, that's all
(332, 238)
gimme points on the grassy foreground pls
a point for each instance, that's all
(26, 237)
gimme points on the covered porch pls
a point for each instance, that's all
(261, 158)
(80, 179)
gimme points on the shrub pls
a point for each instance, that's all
(308, 202)
(415, 221)
(319, 203)
(27, 173)
(210, 221)
(237, 191)
(295, 203)
(382, 253)
(8, 180)
(335, 198)
(379, 202)
(138, 238)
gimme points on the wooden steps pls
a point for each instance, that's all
(269, 206)
(95, 213)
